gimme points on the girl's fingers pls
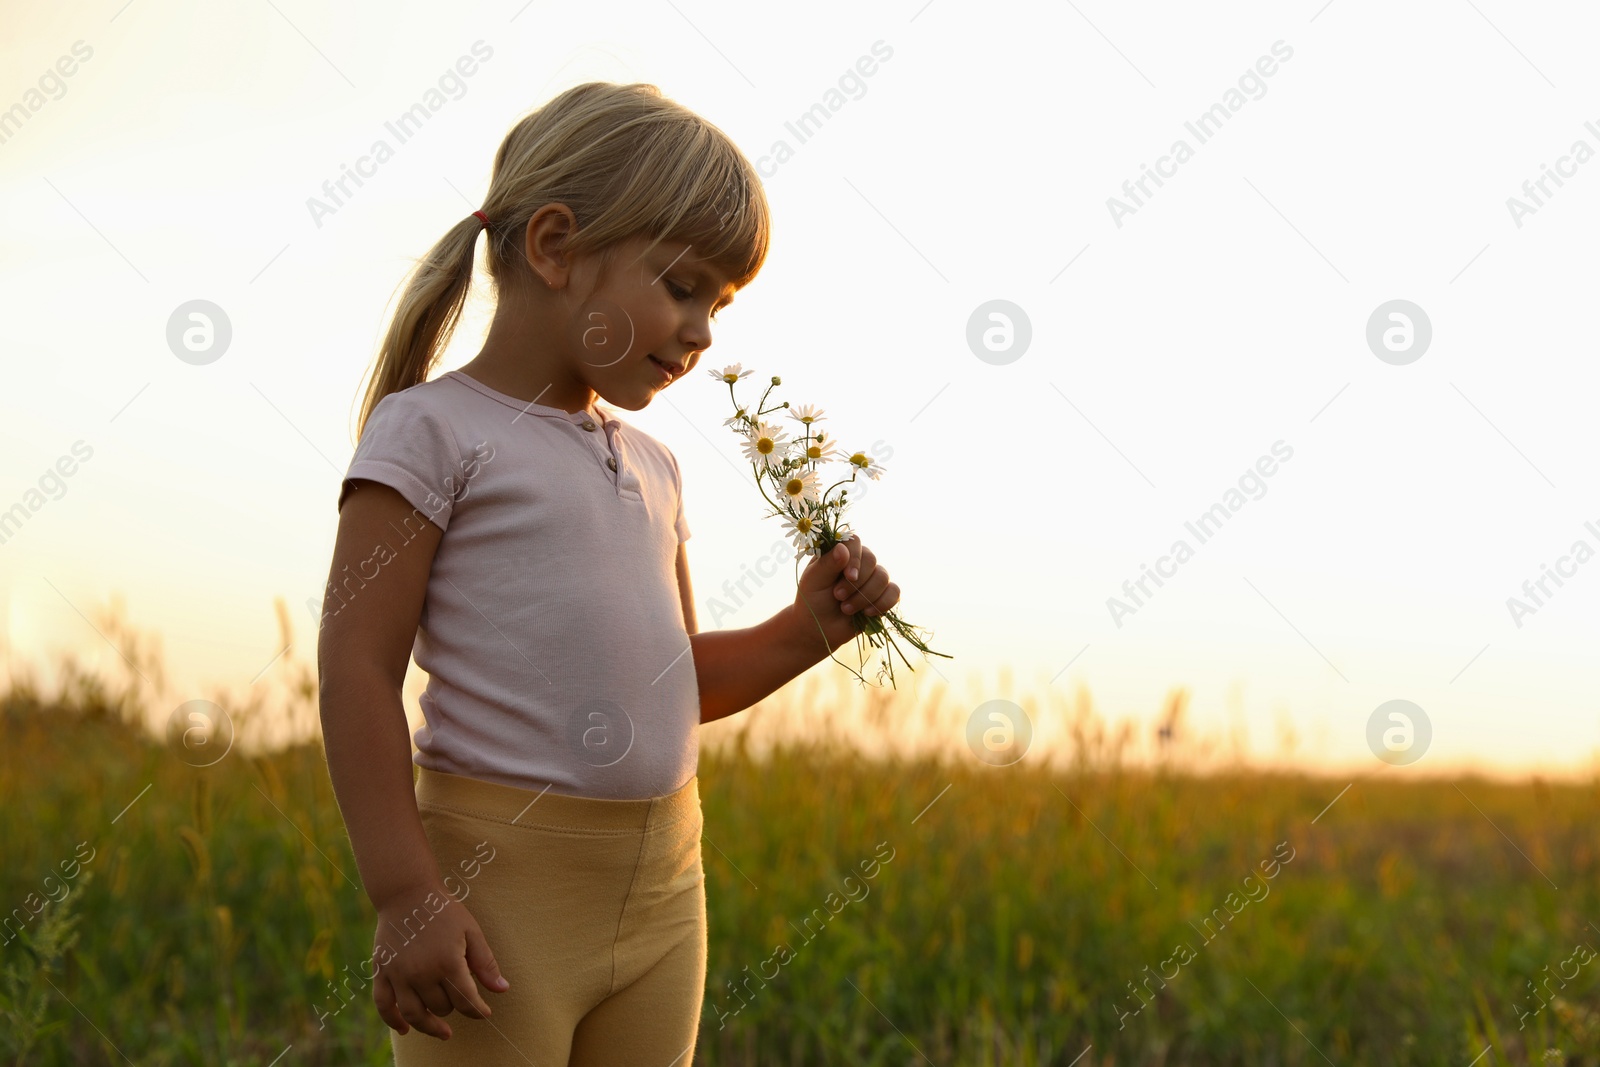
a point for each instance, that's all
(847, 585)
(870, 594)
(464, 994)
(388, 1010)
(412, 1011)
(436, 999)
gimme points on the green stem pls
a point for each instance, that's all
(878, 631)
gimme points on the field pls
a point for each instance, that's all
(1084, 913)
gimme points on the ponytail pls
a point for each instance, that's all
(430, 307)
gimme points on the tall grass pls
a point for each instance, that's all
(1022, 916)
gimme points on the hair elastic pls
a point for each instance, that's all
(484, 218)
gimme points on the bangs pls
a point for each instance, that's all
(732, 234)
(712, 201)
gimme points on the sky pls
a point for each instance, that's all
(1350, 321)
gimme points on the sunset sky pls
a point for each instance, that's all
(1183, 337)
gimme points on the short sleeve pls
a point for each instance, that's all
(413, 451)
(679, 522)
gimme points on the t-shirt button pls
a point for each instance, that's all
(588, 425)
(612, 462)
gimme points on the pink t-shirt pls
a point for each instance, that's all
(552, 632)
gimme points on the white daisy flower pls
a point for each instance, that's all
(807, 414)
(764, 444)
(818, 450)
(802, 530)
(729, 374)
(798, 486)
(866, 466)
(738, 418)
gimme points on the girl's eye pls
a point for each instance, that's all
(679, 293)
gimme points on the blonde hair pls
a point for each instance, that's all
(628, 162)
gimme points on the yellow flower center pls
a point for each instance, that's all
(814, 452)
(803, 524)
(794, 486)
(860, 459)
(764, 445)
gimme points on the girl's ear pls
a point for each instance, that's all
(545, 240)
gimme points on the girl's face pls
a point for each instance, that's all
(647, 326)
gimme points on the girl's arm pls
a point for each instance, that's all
(737, 668)
(370, 612)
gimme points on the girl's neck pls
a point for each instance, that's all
(528, 385)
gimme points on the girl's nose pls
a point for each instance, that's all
(697, 334)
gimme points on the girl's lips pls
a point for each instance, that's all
(665, 373)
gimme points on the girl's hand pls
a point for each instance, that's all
(431, 975)
(838, 585)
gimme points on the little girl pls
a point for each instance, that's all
(526, 545)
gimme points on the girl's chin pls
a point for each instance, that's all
(630, 401)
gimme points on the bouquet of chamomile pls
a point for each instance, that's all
(787, 471)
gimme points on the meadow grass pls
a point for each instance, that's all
(1021, 915)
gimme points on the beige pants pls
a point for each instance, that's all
(596, 913)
